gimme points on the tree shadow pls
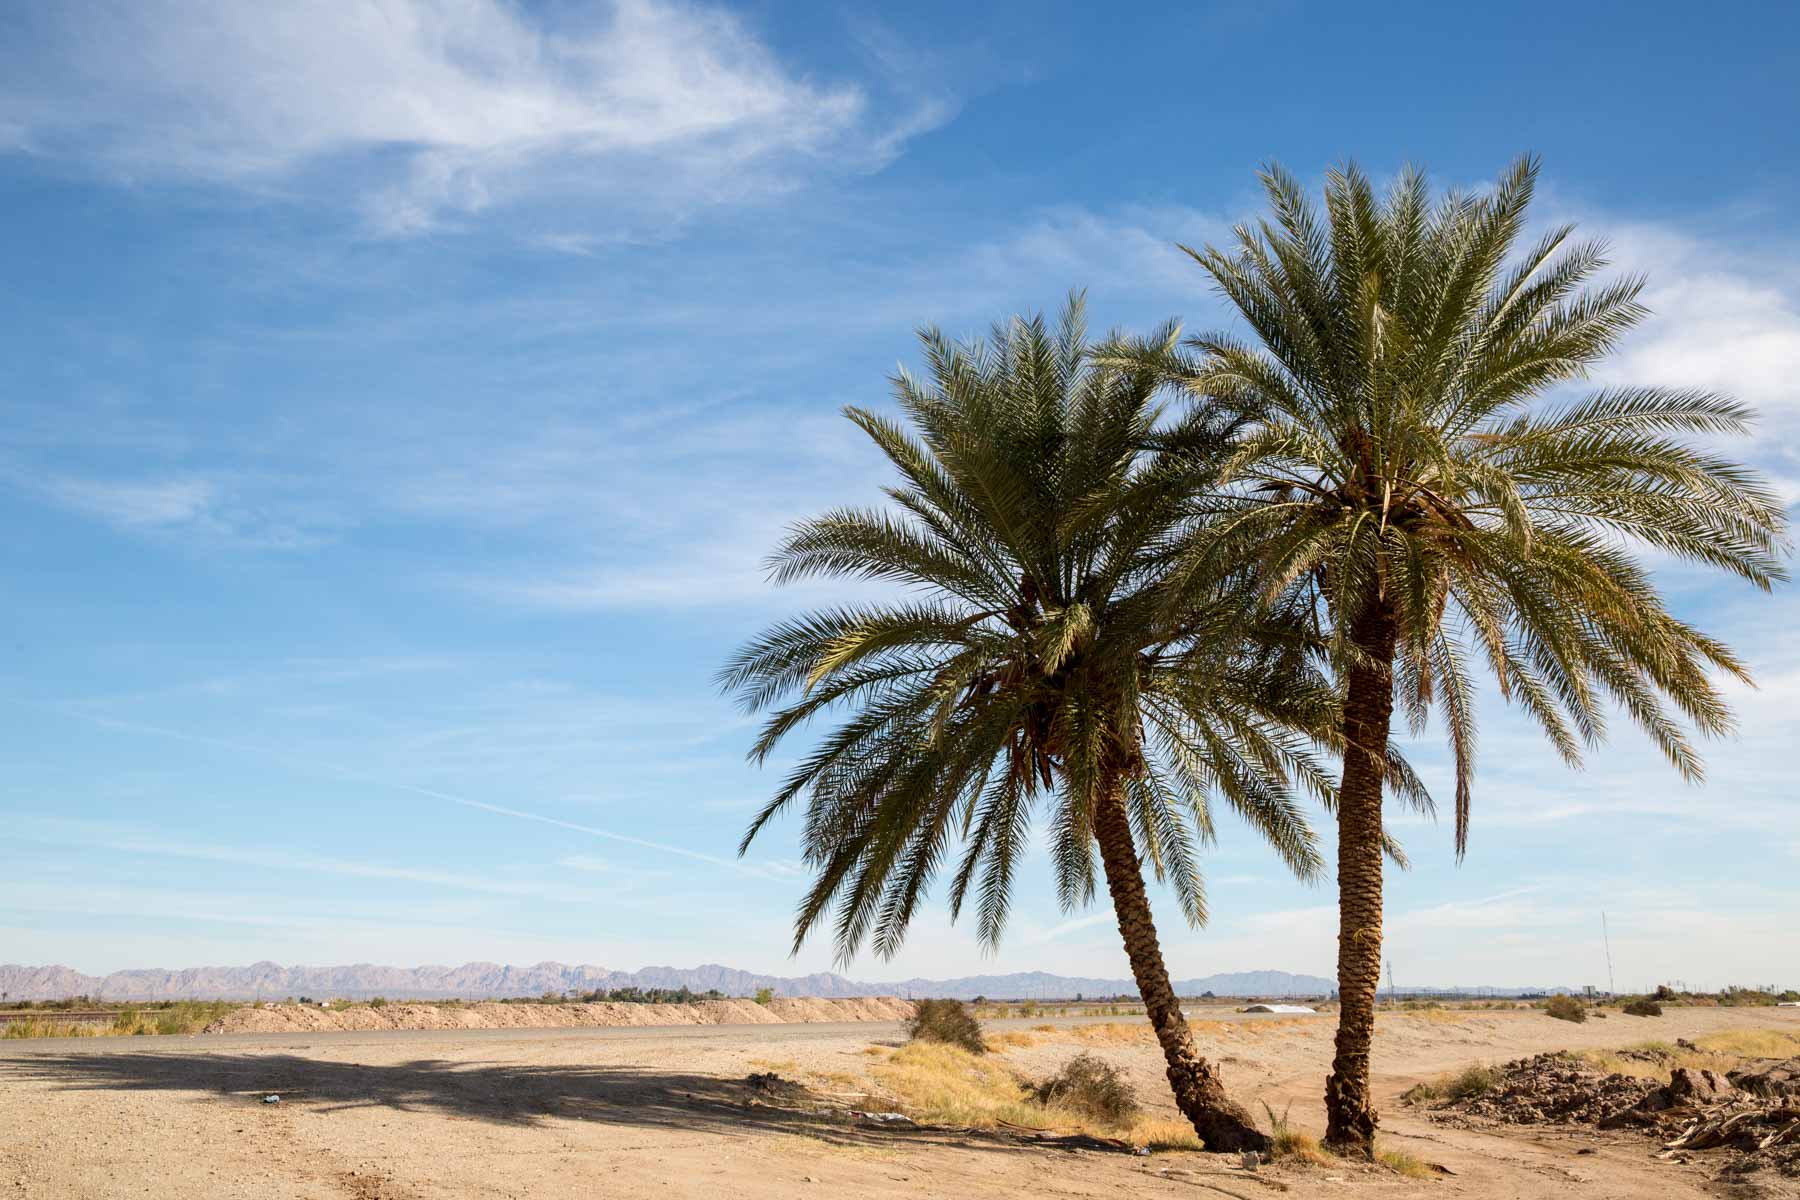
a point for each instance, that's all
(502, 1093)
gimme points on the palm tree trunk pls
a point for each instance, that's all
(1199, 1091)
(1368, 708)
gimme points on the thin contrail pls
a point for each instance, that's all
(745, 868)
(741, 868)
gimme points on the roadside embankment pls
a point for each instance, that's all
(285, 1018)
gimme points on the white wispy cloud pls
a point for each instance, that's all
(443, 108)
(202, 507)
(1724, 316)
(133, 503)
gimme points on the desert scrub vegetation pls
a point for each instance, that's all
(162, 1017)
(1466, 1084)
(180, 1017)
(1642, 1008)
(940, 1083)
(1092, 1087)
(948, 1021)
(1566, 1008)
(46, 1027)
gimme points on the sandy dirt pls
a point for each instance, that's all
(637, 1112)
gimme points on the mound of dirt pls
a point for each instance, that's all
(1555, 1088)
(1753, 1114)
(298, 1018)
(1779, 1080)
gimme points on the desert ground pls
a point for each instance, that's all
(647, 1111)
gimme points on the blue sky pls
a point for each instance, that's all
(400, 397)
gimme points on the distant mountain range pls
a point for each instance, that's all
(267, 980)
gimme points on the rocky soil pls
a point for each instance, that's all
(1745, 1121)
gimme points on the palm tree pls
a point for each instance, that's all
(1034, 663)
(1397, 470)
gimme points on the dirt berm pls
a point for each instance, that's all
(286, 1018)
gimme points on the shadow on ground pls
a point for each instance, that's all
(502, 1093)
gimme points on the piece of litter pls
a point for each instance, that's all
(271, 1099)
(885, 1118)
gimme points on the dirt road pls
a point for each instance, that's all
(538, 1113)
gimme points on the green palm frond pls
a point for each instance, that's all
(1041, 650)
(1399, 447)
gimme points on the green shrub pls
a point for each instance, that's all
(1566, 1008)
(1643, 1008)
(946, 1021)
(1092, 1087)
(1477, 1080)
(765, 996)
(1470, 1082)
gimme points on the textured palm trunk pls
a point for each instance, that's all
(1368, 708)
(1199, 1092)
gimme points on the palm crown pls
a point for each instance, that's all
(1037, 659)
(1390, 461)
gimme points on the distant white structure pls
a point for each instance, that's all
(1299, 1009)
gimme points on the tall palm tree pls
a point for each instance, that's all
(1401, 469)
(1033, 665)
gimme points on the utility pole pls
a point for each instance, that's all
(1606, 935)
(1393, 997)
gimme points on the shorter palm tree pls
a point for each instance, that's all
(1037, 665)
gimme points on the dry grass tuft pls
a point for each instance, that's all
(1667, 1057)
(1407, 1165)
(1012, 1039)
(1291, 1145)
(944, 1084)
(1111, 1033)
(42, 1027)
(1163, 1134)
(1717, 1051)
(1752, 1043)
